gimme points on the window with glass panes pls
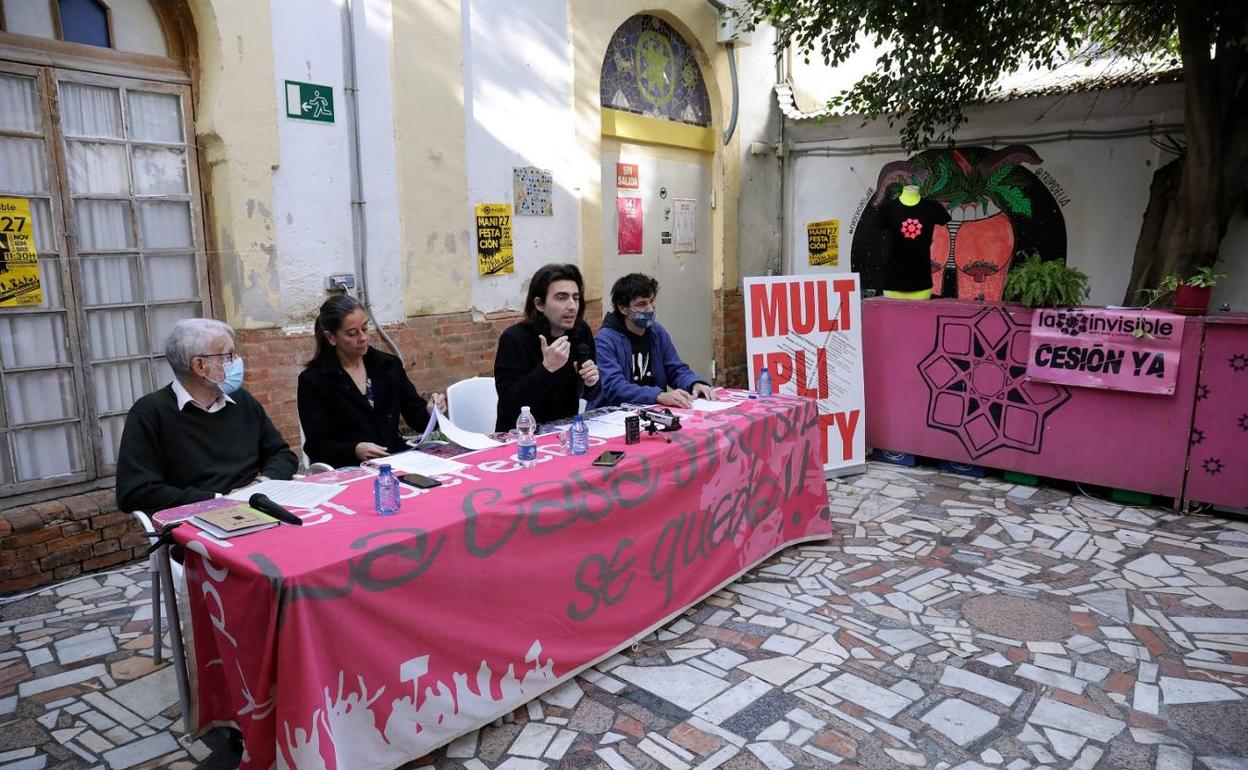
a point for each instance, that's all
(110, 173)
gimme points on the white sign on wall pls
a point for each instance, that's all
(807, 331)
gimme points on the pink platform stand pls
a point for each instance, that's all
(947, 379)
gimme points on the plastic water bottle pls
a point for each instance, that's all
(526, 447)
(580, 436)
(386, 492)
(764, 383)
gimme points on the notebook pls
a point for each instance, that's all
(233, 521)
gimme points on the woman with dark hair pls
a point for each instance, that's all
(546, 361)
(351, 395)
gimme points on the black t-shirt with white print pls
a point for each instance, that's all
(641, 373)
(909, 230)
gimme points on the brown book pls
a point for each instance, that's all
(233, 521)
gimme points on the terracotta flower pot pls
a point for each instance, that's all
(1192, 300)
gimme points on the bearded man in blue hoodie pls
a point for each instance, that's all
(637, 361)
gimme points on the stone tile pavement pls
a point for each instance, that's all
(952, 623)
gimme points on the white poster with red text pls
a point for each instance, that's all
(806, 331)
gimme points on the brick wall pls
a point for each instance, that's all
(728, 326)
(438, 350)
(62, 538)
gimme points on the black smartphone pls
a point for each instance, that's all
(608, 459)
(419, 481)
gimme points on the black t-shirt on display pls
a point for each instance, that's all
(909, 230)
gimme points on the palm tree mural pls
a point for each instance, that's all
(999, 209)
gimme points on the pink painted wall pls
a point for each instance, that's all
(1218, 468)
(947, 379)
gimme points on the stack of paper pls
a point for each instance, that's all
(420, 462)
(292, 494)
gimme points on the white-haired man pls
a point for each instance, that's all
(200, 435)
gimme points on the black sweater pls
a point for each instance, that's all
(169, 458)
(336, 416)
(521, 380)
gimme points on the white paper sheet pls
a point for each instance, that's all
(609, 425)
(419, 462)
(702, 405)
(433, 423)
(296, 494)
(465, 438)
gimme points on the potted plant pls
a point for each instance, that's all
(1046, 283)
(1191, 294)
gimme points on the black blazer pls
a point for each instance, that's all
(521, 380)
(336, 416)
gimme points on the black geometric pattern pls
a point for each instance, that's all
(976, 377)
(1213, 466)
(1239, 362)
(1198, 436)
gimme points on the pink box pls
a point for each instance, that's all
(947, 379)
(1217, 471)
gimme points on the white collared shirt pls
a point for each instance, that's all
(185, 398)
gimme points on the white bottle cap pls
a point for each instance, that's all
(524, 409)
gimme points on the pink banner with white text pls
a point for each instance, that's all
(358, 642)
(1135, 350)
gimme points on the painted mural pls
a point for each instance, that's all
(1002, 212)
(650, 70)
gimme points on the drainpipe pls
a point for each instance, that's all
(732, 71)
(782, 155)
(359, 224)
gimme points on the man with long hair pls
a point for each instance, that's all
(546, 361)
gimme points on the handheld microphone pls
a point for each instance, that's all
(580, 354)
(263, 504)
(662, 417)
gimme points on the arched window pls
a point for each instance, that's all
(650, 70)
(131, 26)
(84, 21)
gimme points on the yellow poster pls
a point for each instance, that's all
(494, 252)
(19, 263)
(822, 242)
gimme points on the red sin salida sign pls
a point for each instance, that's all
(806, 331)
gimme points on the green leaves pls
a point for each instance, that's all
(1045, 283)
(937, 58)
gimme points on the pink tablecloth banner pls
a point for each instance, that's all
(360, 641)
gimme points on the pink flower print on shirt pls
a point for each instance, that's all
(911, 228)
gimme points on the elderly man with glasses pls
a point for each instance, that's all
(200, 435)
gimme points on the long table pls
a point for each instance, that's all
(359, 641)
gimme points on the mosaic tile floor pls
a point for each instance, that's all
(953, 623)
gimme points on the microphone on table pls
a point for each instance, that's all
(264, 504)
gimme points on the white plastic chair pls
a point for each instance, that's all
(473, 404)
(167, 577)
(153, 568)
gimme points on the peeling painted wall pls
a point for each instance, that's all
(236, 125)
(518, 93)
(478, 88)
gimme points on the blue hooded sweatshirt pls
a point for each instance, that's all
(615, 353)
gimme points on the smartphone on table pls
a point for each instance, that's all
(419, 481)
(608, 459)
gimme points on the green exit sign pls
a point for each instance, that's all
(309, 101)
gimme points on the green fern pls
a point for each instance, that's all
(1046, 283)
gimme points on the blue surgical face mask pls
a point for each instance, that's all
(233, 379)
(643, 318)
